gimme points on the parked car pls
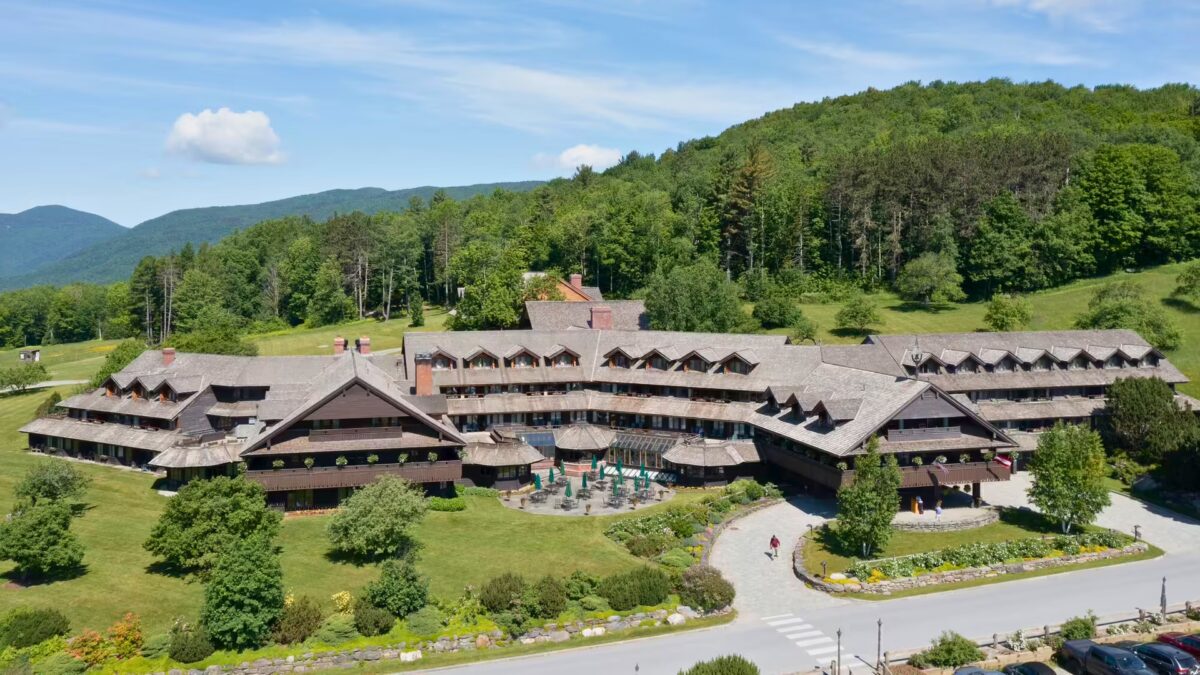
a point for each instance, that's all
(975, 670)
(1029, 668)
(1188, 643)
(1088, 658)
(1165, 659)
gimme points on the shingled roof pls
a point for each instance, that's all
(552, 315)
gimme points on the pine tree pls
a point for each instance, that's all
(329, 303)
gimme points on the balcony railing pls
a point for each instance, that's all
(354, 434)
(925, 434)
(275, 480)
(910, 476)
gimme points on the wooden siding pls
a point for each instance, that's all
(910, 476)
(928, 406)
(357, 402)
(928, 433)
(355, 476)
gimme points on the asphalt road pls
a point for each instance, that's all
(785, 628)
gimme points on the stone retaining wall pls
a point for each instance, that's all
(889, 586)
(308, 662)
(987, 516)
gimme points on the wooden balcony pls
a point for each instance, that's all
(276, 480)
(354, 434)
(910, 476)
(926, 434)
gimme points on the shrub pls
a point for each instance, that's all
(244, 598)
(581, 584)
(478, 491)
(189, 644)
(89, 647)
(336, 629)
(704, 588)
(551, 597)
(61, 663)
(677, 558)
(723, 665)
(399, 589)
(751, 489)
(640, 586)
(371, 620)
(594, 603)
(649, 545)
(1079, 628)
(514, 622)
(52, 480)
(343, 602)
(447, 504)
(27, 626)
(500, 593)
(156, 645)
(425, 622)
(125, 637)
(949, 650)
(300, 619)
(1127, 470)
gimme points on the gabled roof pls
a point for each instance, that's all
(482, 351)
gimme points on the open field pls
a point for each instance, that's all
(72, 361)
(383, 334)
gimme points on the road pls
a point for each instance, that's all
(785, 628)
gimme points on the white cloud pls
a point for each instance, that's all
(855, 56)
(1101, 15)
(225, 137)
(573, 157)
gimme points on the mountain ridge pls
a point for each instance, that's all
(43, 234)
(112, 258)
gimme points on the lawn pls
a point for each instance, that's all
(383, 334)
(461, 548)
(1053, 309)
(72, 361)
(1012, 525)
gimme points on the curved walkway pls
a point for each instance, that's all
(767, 587)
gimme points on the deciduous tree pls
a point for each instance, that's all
(930, 278)
(1068, 470)
(52, 480)
(858, 314)
(1144, 419)
(868, 504)
(377, 521)
(244, 597)
(39, 540)
(1007, 313)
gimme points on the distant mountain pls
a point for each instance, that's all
(114, 257)
(45, 234)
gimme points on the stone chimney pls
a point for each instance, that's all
(364, 345)
(339, 345)
(577, 280)
(423, 384)
(168, 354)
(601, 317)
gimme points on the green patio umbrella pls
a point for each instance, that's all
(551, 474)
(585, 481)
(637, 483)
(593, 462)
(643, 470)
(568, 491)
(537, 482)
(615, 488)
(620, 468)
(601, 473)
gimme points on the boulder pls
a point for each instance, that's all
(559, 636)
(676, 619)
(409, 657)
(482, 641)
(686, 611)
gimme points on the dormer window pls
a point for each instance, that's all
(522, 360)
(1151, 361)
(482, 361)
(695, 363)
(1041, 364)
(442, 363)
(968, 366)
(736, 366)
(1004, 365)
(1078, 363)
(657, 362)
(1113, 361)
(565, 360)
(618, 361)
(929, 368)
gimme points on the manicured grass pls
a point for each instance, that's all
(1149, 554)
(1013, 525)
(383, 334)
(74, 361)
(1053, 309)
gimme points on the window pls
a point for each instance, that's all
(737, 366)
(564, 360)
(506, 472)
(1078, 363)
(930, 367)
(657, 362)
(696, 363)
(618, 361)
(522, 360)
(442, 363)
(1113, 361)
(968, 366)
(1005, 365)
(482, 361)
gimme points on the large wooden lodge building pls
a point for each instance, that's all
(489, 407)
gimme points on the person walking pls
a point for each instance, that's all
(774, 547)
(937, 511)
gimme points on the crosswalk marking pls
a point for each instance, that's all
(822, 650)
(813, 641)
(788, 629)
(781, 622)
(805, 634)
(776, 616)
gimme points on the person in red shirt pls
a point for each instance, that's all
(774, 547)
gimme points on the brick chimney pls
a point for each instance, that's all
(364, 345)
(601, 317)
(339, 345)
(423, 377)
(577, 280)
(168, 354)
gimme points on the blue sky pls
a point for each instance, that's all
(130, 109)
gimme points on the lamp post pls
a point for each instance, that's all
(879, 645)
(1162, 601)
(839, 651)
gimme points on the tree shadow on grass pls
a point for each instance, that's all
(164, 568)
(14, 579)
(1181, 305)
(850, 332)
(1028, 519)
(931, 308)
(828, 539)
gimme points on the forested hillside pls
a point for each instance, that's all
(112, 260)
(44, 234)
(943, 191)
